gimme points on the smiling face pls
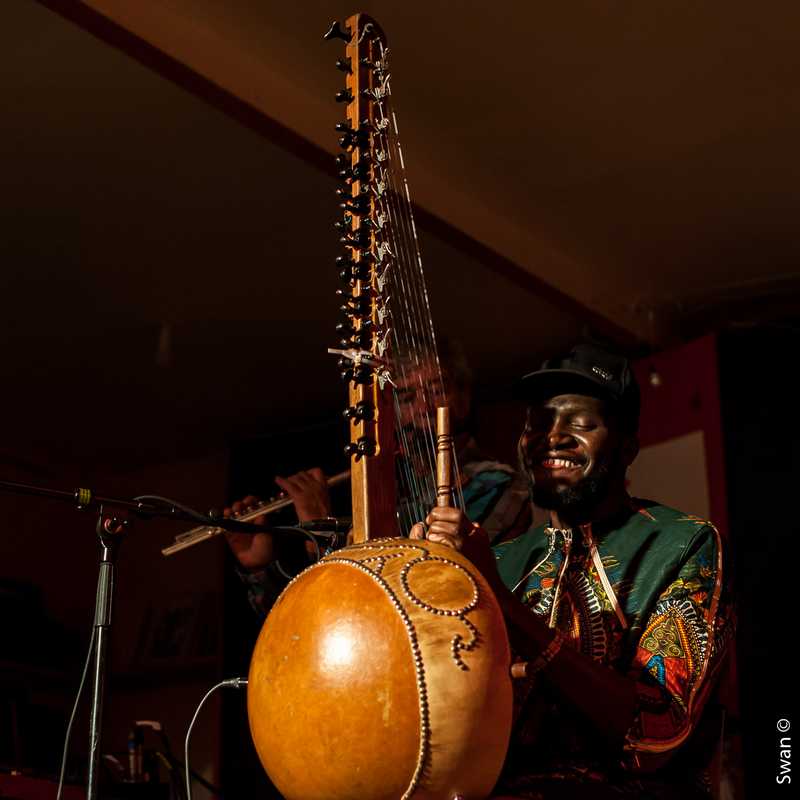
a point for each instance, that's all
(575, 454)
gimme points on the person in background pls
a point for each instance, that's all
(495, 495)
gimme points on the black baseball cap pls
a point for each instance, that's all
(586, 369)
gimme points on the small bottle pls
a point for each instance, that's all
(132, 772)
(135, 741)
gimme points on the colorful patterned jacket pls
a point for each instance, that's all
(648, 596)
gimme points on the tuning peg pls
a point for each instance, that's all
(349, 174)
(347, 141)
(343, 96)
(358, 239)
(342, 161)
(364, 128)
(354, 137)
(359, 307)
(367, 257)
(345, 192)
(337, 32)
(361, 232)
(359, 340)
(355, 272)
(360, 411)
(345, 295)
(346, 267)
(364, 447)
(343, 224)
(344, 64)
(360, 271)
(345, 328)
(362, 375)
(358, 172)
(358, 205)
(361, 170)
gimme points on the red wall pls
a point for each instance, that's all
(687, 400)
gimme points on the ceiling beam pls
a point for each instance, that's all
(135, 45)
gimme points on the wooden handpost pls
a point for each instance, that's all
(444, 458)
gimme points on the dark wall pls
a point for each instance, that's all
(762, 447)
(254, 463)
(166, 636)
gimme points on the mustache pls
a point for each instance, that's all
(528, 458)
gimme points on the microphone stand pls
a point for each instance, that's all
(109, 533)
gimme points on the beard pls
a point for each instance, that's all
(578, 501)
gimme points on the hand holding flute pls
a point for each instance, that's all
(308, 490)
(252, 551)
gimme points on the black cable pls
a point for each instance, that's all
(308, 534)
(191, 512)
(205, 519)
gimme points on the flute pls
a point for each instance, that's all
(203, 532)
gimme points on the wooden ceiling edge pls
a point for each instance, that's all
(170, 68)
(175, 71)
(501, 265)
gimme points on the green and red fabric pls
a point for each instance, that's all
(646, 594)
